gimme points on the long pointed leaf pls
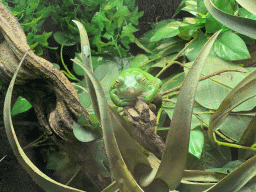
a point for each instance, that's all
(242, 25)
(42, 180)
(250, 5)
(124, 179)
(177, 142)
(86, 57)
(236, 179)
(108, 120)
(241, 93)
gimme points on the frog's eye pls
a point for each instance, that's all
(143, 80)
(118, 82)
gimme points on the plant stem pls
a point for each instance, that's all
(176, 57)
(205, 77)
(67, 72)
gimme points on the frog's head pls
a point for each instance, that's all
(131, 84)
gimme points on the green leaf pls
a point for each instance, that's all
(212, 91)
(134, 18)
(249, 5)
(231, 47)
(201, 7)
(237, 178)
(181, 6)
(60, 37)
(234, 126)
(195, 47)
(99, 156)
(84, 99)
(189, 6)
(83, 134)
(169, 30)
(99, 18)
(128, 31)
(172, 166)
(242, 92)
(138, 60)
(226, 169)
(21, 105)
(244, 13)
(242, 25)
(211, 24)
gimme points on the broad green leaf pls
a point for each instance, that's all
(21, 105)
(175, 155)
(99, 156)
(96, 61)
(99, 18)
(127, 35)
(242, 25)
(201, 7)
(60, 37)
(190, 6)
(135, 15)
(138, 60)
(194, 48)
(83, 134)
(169, 30)
(84, 99)
(212, 91)
(196, 143)
(172, 81)
(231, 47)
(226, 169)
(250, 5)
(244, 13)
(42, 179)
(234, 126)
(211, 24)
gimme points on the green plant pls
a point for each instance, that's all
(109, 24)
(31, 15)
(222, 87)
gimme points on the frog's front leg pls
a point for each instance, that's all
(121, 102)
(149, 94)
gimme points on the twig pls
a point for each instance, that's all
(205, 77)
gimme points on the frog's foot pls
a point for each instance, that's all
(122, 103)
(144, 98)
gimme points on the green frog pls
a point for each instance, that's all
(131, 84)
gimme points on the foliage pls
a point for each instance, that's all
(224, 100)
(109, 24)
(31, 15)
